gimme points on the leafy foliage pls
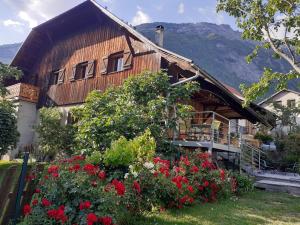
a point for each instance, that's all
(7, 72)
(8, 126)
(53, 136)
(135, 152)
(145, 101)
(262, 21)
(287, 115)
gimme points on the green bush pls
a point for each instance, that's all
(9, 134)
(244, 183)
(53, 136)
(264, 138)
(95, 158)
(145, 101)
(125, 152)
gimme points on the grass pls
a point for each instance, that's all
(258, 207)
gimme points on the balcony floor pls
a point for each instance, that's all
(206, 144)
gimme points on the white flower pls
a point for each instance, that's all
(149, 165)
(131, 167)
(126, 175)
(135, 174)
(152, 171)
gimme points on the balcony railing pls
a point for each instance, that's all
(22, 91)
(210, 127)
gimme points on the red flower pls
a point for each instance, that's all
(207, 165)
(106, 220)
(84, 205)
(78, 158)
(137, 186)
(190, 188)
(91, 218)
(35, 202)
(222, 175)
(195, 169)
(119, 186)
(90, 169)
(37, 191)
(206, 183)
(53, 169)
(58, 214)
(204, 156)
(46, 202)
(201, 188)
(185, 160)
(102, 175)
(27, 209)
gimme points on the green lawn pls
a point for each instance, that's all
(258, 207)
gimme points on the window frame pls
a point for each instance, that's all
(113, 63)
(289, 101)
(83, 75)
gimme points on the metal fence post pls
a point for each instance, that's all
(252, 158)
(21, 184)
(259, 159)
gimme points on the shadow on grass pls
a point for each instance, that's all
(254, 208)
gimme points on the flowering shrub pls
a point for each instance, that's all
(73, 191)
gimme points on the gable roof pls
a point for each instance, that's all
(277, 93)
(254, 112)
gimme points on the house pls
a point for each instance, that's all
(88, 48)
(285, 97)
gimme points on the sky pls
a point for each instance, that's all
(18, 17)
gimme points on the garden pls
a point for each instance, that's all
(113, 162)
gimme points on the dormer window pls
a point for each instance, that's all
(115, 63)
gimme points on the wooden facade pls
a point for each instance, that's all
(91, 35)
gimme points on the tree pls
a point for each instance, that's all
(146, 101)
(262, 21)
(287, 115)
(8, 127)
(53, 136)
(8, 122)
(7, 72)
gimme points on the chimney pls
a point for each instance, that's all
(159, 35)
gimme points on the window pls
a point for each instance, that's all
(291, 103)
(278, 102)
(115, 63)
(80, 70)
(54, 77)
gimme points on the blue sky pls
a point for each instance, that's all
(17, 17)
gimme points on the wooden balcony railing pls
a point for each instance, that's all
(22, 91)
(207, 126)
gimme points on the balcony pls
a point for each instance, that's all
(208, 130)
(22, 91)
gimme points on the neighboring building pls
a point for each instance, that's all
(285, 97)
(88, 48)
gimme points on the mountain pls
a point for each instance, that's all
(216, 48)
(7, 52)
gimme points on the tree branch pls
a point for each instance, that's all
(280, 53)
(288, 46)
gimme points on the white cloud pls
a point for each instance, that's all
(24, 16)
(180, 8)
(210, 15)
(140, 17)
(34, 12)
(11, 23)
